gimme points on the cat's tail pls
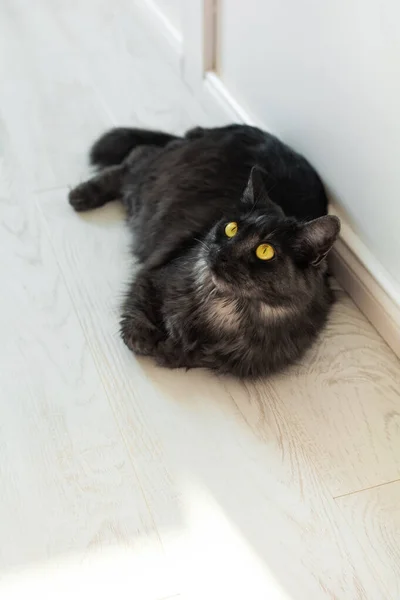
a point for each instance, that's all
(115, 145)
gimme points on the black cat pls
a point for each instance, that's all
(230, 229)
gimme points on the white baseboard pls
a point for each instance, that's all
(162, 32)
(366, 281)
(367, 293)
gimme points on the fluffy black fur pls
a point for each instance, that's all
(200, 298)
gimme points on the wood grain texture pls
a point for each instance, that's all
(42, 84)
(123, 479)
(69, 490)
(374, 515)
(346, 396)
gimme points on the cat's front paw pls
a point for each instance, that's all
(85, 196)
(138, 344)
(140, 340)
(170, 355)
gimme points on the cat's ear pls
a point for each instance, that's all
(255, 188)
(256, 191)
(316, 238)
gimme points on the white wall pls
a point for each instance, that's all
(325, 76)
(171, 9)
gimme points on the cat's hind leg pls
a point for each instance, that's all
(97, 191)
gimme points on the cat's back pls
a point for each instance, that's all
(214, 165)
(292, 182)
(187, 186)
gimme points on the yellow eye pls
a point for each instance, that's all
(265, 252)
(231, 229)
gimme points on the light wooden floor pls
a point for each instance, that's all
(119, 479)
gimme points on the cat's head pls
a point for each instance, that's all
(258, 252)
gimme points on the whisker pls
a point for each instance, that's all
(202, 243)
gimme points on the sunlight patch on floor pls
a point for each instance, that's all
(113, 572)
(209, 543)
(234, 570)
